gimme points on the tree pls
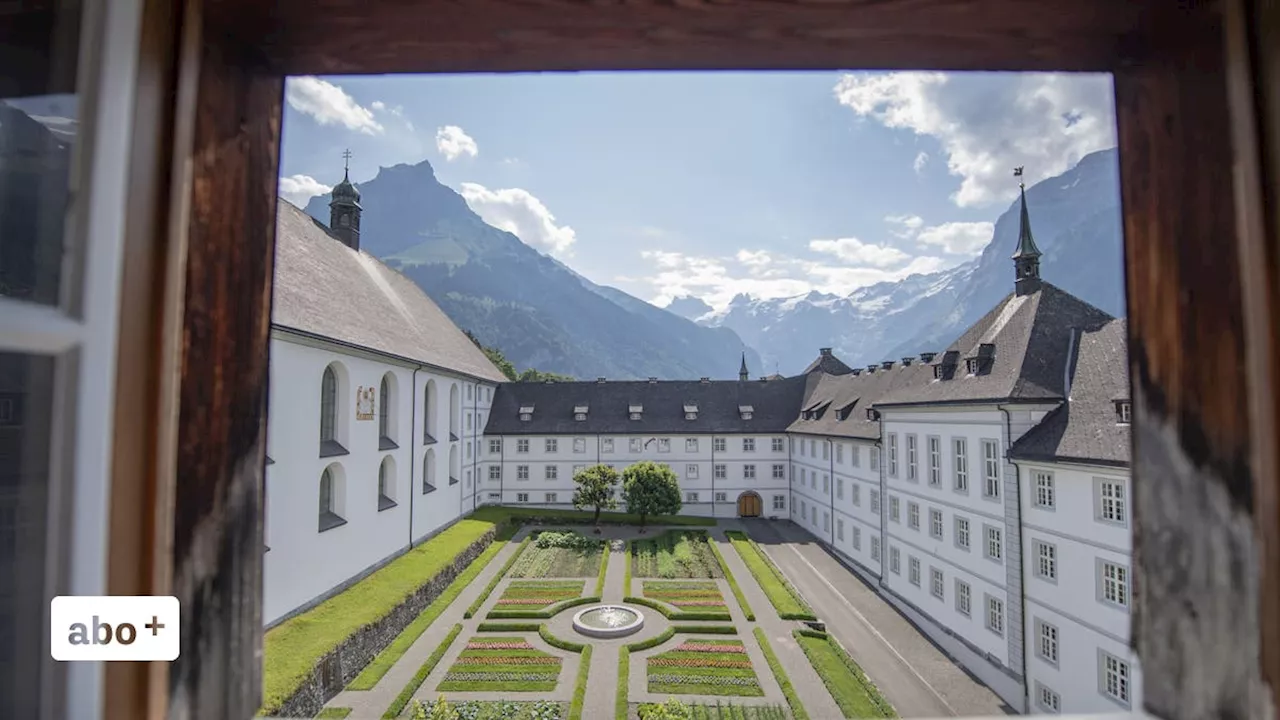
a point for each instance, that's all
(495, 356)
(532, 375)
(650, 488)
(595, 490)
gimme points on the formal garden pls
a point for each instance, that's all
(662, 616)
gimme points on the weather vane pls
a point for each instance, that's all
(346, 160)
(1017, 172)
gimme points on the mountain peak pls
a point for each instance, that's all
(421, 169)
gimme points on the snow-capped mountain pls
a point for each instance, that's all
(1076, 221)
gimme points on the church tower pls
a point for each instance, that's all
(1026, 259)
(742, 371)
(344, 209)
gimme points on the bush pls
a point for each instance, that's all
(567, 539)
(580, 688)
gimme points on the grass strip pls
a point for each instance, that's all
(292, 649)
(488, 590)
(604, 566)
(780, 674)
(733, 583)
(782, 596)
(333, 713)
(852, 690)
(419, 677)
(624, 671)
(580, 687)
(385, 660)
(679, 615)
(626, 578)
(500, 614)
(507, 627)
(706, 629)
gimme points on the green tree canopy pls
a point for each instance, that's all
(595, 489)
(650, 488)
(507, 368)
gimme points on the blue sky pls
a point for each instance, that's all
(711, 184)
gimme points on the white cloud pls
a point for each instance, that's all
(958, 238)
(904, 226)
(922, 159)
(298, 189)
(520, 213)
(988, 123)
(453, 143)
(378, 105)
(855, 251)
(329, 104)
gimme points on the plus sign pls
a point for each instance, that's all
(155, 626)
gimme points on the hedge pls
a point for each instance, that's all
(488, 590)
(540, 614)
(782, 596)
(810, 632)
(507, 627)
(580, 688)
(852, 690)
(292, 649)
(575, 517)
(733, 583)
(383, 661)
(626, 578)
(706, 629)
(604, 565)
(545, 633)
(624, 672)
(333, 713)
(679, 615)
(416, 682)
(780, 674)
(652, 642)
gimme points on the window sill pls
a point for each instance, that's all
(386, 443)
(452, 437)
(329, 521)
(426, 489)
(332, 448)
(453, 481)
(385, 503)
(427, 439)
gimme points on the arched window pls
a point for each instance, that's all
(429, 472)
(454, 405)
(387, 414)
(386, 484)
(332, 427)
(429, 412)
(331, 499)
(453, 465)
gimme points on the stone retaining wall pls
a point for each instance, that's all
(343, 663)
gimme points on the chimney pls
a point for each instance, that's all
(653, 380)
(824, 351)
(599, 380)
(927, 357)
(705, 380)
(887, 364)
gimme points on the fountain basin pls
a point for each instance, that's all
(608, 621)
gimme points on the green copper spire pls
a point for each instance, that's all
(1026, 259)
(742, 371)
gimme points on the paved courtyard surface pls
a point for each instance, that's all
(915, 677)
(911, 672)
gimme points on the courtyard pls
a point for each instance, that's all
(706, 626)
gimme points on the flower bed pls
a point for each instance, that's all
(704, 667)
(487, 710)
(703, 594)
(559, 554)
(538, 594)
(507, 664)
(675, 554)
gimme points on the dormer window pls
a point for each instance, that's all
(1124, 412)
(937, 372)
(746, 411)
(873, 414)
(690, 411)
(971, 365)
(526, 413)
(580, 412)
(579, 416)
(636, 411)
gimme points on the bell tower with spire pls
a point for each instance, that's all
(1026, 259)
(344, 208)
(742, 371)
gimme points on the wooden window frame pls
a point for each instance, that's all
(1198, 115)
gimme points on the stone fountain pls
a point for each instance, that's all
(608, 621)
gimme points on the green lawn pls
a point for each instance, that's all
(333, 713)
(856, 695)
(782, 596)
(704, 666)
(780, 674)
(733, 583)
(501, 664)
(675, 554)
(292, 649)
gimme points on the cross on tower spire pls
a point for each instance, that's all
(1026, 259)
(346, 161)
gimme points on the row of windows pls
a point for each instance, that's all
(994, 619)
(718, 471)
(993, 536)
(959, 462)
(779, 501)
(1112, 578)
(635, 445)
(809, 447)
(1113, 678)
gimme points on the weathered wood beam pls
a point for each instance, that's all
(217, 532)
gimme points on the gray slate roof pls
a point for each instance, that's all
(1030, 336)
(325, 288)
(775, 404)
(1084, 429)
(828, 363)
(827, 395)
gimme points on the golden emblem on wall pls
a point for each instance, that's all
(364, 403)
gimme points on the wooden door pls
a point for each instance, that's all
(749, 505)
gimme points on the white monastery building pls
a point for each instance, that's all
(983, 490)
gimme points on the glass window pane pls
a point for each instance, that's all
(39, 122)
(26, 401)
